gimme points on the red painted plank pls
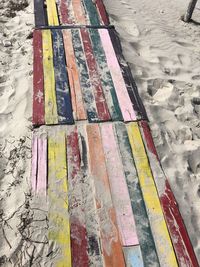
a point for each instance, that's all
(79, 244)
(65, 12)
(102, 109)
(102, 12)
(38, 79)
(111, 247)
(182, 244)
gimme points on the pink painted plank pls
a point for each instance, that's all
(119, 189)
(42, 165)
(120, 86)
(178, 232)
(34, 162)
(38, 79)
(79, 244)
(102, 108)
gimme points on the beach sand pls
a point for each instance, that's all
(163, 53)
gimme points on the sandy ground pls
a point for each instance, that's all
(163, 53)
(164, 56)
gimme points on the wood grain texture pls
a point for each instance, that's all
(105, 75)
(52, 13)
(119, 189)
(63, 98)
(87, 93)
(160, 232)
(102, 12)
(38, 79)
(74, 80)
(51, 116)
(59, 227)
(128, 77)
(102, 109)
(34, 163)
(120, 87)
(111, 247)
(42, 165)
(64, 12)
(182, 244)
(91, 217)
(79, 240)
(133, 257)
(39, 13)
(146, 240)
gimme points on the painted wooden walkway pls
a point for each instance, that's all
(109, 202)
(65, 12)
(77, 76)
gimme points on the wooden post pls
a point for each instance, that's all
(190, 9)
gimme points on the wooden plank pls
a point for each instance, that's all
(51, 116)
(79, 14)
(52, 13)
(146, 240)
(38, 80)
(119, 189)
(79, 242)
(42, 165)
(64, 12)
(102, 109)
(39, 13)
(84, 77)
(120, 87)
(162, 239)
(59, 227)
(133, 257)
(92, 12)
(64, 106)
(74, 80)
(102, 12)
(128, 77)
(110, 243)
(91, 216)
(182, 244)
(106, 79)
(34, 163)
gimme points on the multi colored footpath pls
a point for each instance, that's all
(94, 162)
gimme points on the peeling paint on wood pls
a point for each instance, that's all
(42, 165)
(39, 13)
(160, 232)
(133, 257)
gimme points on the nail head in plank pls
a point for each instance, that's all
(182, 244)
(63, 98)
(120, 87)
(74, 80)
(146, 240)
(160, 232)
(119, 190)
(51, 116)
(111, 247)
(38, 80)
(59, 227)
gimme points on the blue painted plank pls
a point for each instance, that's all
(64, 106)
(133, 256)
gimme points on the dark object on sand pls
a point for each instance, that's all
(190, 9)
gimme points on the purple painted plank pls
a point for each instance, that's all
(120, 87)
(119, 189)
(42, 165)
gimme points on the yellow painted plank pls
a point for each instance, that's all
(59, 226)
(51, 116)
(161, 236)
(52, 13)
